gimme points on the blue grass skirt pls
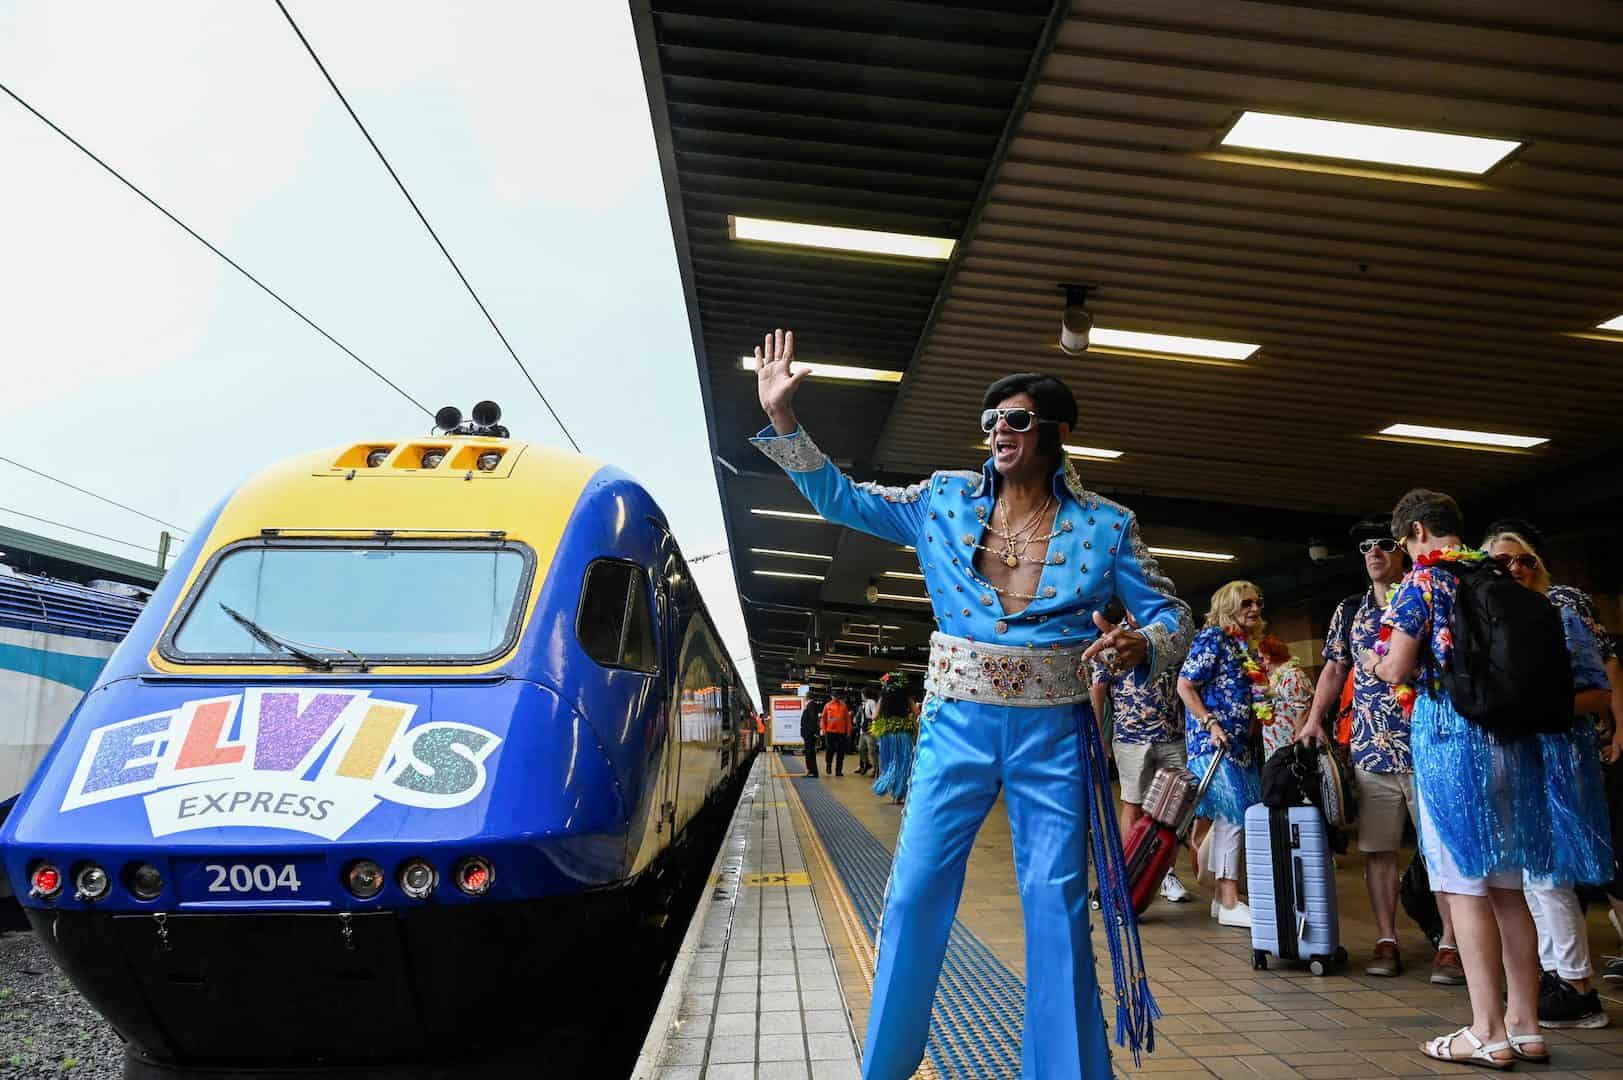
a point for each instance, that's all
(1579, 818)
(1485, 801)
(1234, 788)
(896, 764)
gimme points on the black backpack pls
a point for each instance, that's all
(1510, 672)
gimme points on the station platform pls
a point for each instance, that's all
(783, 946)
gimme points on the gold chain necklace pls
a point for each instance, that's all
(1016, 541)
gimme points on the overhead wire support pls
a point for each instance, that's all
(93, 495)
(195, 235)
(424, 219)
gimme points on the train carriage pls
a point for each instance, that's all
(391, 765)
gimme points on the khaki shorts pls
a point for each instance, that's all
(1139, 762)
(1385, 801)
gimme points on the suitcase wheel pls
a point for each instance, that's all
(1259, 960)
(1341, 955)
(1318, 965)
(1093, 899)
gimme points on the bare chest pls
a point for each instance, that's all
(1010, 558)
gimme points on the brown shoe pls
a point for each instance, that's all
(1385, 960)
(1446, 969)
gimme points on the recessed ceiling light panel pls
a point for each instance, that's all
(834, 371)
(908, 574)
(792, 554)
(1348, 141)
(1186, 553)
(1173, 344)
(868, 241)
(792, 515)
(1460, 435)
(909, 599)
(1614, 325)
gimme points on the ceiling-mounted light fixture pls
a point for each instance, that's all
(1075, 323)
(834, 371)
(867, 241)
(1347, 141)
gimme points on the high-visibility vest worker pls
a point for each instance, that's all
(836, 718)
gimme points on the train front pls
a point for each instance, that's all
(320, 805)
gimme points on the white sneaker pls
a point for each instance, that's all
(1172, 889)
(1238, 915)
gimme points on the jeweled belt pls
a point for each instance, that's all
(1005, 674)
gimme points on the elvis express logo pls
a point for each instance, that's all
(315, 761)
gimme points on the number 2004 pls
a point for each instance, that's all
(239, 877)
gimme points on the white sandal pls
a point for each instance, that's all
(1442, 1049)
(1519, 1041)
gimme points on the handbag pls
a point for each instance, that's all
(1298, 775)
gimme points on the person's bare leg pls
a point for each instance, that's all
(1128, 817)
(1197, 836)
(1228, 892)
(1448, 922)
(1518, 938)
(1480, 953)
(1381, 879)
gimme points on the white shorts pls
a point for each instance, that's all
(1445, 873)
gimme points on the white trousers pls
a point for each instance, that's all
(1563, 936)
(1225, 849)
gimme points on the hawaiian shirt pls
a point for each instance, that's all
(1290, 693)
(1565, 596)
(1380, 730)
(1095, 555)
(1423, 608)
(1576, 606)
(1213, 666)
(1142, 710)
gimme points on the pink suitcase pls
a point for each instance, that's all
(1172, 793)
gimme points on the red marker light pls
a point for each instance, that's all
(474, 875)
(46, 881)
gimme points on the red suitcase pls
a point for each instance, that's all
(1151, 847)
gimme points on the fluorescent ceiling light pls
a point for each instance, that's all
(1094, 452)
(910, 547)
(799, 234)
(796, 515)
(1459, 435)
(908, 574)
(1171, 344)
(1368, 142)
(834, 371)
(910, 599)
(873, 626)
(789, 574)
(1615, 325)
(792, 554)
(1185, 553)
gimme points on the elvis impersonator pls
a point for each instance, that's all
(1018, 559)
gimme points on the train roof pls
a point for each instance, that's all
(103, 611)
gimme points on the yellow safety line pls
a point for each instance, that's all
(861, 947)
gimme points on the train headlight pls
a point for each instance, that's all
(474, 875)
(145, 881)
(418, 879)
(377, 457)
(488, 461)
(45, 882)
(432, 458)
(90, 883)
(364, 878)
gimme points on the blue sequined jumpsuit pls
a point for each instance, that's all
(1047, 761)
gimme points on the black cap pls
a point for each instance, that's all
(1372, 527)
(1522, 528)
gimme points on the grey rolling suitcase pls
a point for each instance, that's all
(1293, 888)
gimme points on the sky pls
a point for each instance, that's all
(135, 363)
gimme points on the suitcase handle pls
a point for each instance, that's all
(1301, 886)
(1200, 793)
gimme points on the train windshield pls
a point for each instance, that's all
(379, 602)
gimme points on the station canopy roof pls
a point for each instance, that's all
(1151, 150)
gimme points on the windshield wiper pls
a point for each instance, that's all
(288, 645)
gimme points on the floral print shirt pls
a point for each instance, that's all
(1143, 710)
(1380, 730)
(1290, 693)
(1423, 608)
(1213, 666)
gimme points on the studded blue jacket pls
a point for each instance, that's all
(1096, 556)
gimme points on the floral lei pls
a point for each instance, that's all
(1405, 692)
(1260, 708)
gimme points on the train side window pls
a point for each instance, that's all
(615, 623)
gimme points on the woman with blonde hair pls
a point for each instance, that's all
(1581, 827)
(1225, 693)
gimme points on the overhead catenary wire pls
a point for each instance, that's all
(75, 528)
(376, 149)
(195, 235)
(93, 495)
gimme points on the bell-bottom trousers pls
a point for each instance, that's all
(966, 752)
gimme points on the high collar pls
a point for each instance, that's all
(1064, 482)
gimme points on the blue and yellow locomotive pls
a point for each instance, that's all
(395, 757)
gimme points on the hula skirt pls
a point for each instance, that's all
(895, 763)
(1234, 788)
(1485, 801)
(1579, 819)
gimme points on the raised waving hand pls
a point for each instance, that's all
(774, 380)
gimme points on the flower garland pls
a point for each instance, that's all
(894, 725)
(1260, 706)
(1405, 691)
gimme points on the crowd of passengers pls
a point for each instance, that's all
(1517, 836)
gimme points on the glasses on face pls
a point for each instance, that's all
(1017, 419)
(1525, 561)
(1385, 544)
(1251, 602)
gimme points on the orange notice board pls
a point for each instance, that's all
(786, 710)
